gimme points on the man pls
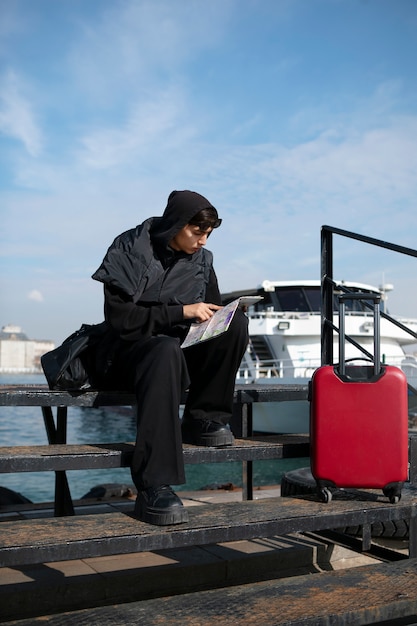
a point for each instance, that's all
(158, 278)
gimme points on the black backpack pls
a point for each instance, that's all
(72, 364)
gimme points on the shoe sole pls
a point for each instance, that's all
(215, 442)
(159, 518)
(209, 440)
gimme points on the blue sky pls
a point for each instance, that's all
(286, 114)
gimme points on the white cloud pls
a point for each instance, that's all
(364, 182)
(17, 119)
(149, 41)
(35, 295)
(153, 124)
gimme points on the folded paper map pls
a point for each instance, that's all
(217, 324)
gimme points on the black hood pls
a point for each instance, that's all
(181, 208)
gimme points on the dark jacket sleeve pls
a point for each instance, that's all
(137, 321)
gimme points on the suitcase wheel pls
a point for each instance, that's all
(325, 494)
(393, 492)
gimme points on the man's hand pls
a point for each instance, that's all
(201, 311)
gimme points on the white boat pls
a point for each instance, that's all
(285, 342)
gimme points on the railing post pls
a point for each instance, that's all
(413, 459)
(247, 466)
(326, 296)
(57, 434)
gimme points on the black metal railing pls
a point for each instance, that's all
(328, 285)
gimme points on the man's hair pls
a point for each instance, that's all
(206, 218)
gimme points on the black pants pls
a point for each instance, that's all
(159, 371)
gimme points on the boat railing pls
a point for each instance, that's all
(251, 370)
(302, 315)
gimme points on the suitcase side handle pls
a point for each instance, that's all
(376, 298)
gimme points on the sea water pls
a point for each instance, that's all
(24, 426)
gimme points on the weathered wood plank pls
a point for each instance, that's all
(66, 538)
(111, 455)
(351, 597)
(40, 395)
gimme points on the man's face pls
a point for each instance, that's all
(190, 239)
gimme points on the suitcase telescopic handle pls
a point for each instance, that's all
(376, 298)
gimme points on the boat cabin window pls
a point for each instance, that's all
(305, 300)
(314, 297)
(300, 299)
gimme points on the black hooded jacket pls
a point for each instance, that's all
(146, 283)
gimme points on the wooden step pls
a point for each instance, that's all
(66, 538)
(40, 395)
(384, 592)
(111, 455)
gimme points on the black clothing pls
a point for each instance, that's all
(140, 256)
(134, 265)
(146, 284)
(159, 371)
(146, 318)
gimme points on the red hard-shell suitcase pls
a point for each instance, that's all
(359, 421)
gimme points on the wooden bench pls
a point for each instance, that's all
(64, 457)
(60, 457)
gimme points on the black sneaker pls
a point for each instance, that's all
(160, 506)
(206, 433)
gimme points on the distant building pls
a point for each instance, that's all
(18, 354)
